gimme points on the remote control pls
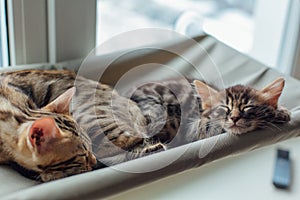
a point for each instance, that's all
(282, 171)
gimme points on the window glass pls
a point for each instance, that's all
(253, 27)
(230, 20)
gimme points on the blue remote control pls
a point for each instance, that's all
(282, 172)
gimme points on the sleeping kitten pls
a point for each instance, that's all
(114, 124)
(51, 140)
(178, 112)
(243, 109)
(34, 138)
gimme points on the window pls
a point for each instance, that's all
(262, 29)
(50, 31)
(3, 35)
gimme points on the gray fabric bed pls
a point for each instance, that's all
(222, 66)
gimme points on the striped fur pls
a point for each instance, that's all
(170, 108)
(114, 124)
(116, 129)
(178, 112)
(18, 113)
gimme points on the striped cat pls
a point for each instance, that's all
(34, 138)
(43, 136)
(118, 129)
(178, 112)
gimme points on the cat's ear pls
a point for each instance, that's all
(62, 103)
(41, 132)
(208, 95)
(272, 92)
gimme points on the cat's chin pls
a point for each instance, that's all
(238, 130)
(235, 131)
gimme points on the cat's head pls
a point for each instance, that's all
(48, 140)
(241, 109)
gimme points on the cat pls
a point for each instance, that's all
(179, 112)
(113, 125)
(114, 129)
(34, 138)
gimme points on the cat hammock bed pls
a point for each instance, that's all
(222, 62)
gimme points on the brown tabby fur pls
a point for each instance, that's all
(115, 124)
(18, 114)
(178, 112)
(173, 112)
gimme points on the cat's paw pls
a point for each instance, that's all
(154, 148)
(282, 116)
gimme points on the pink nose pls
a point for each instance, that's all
(235, 119)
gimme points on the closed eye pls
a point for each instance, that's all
(226, 108)
(246, 108)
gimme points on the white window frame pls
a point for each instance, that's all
(290, 51)
(50, 31)
(72, 29)
(27, 31)
(4, 43)
(282, 21)
(296, 66)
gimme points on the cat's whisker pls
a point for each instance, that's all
(269, 125)
(275, 126)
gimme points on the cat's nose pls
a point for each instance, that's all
(234, 119)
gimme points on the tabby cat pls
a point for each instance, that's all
(34, 138)
(40, 134)
(43, 131)
(178, 112)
